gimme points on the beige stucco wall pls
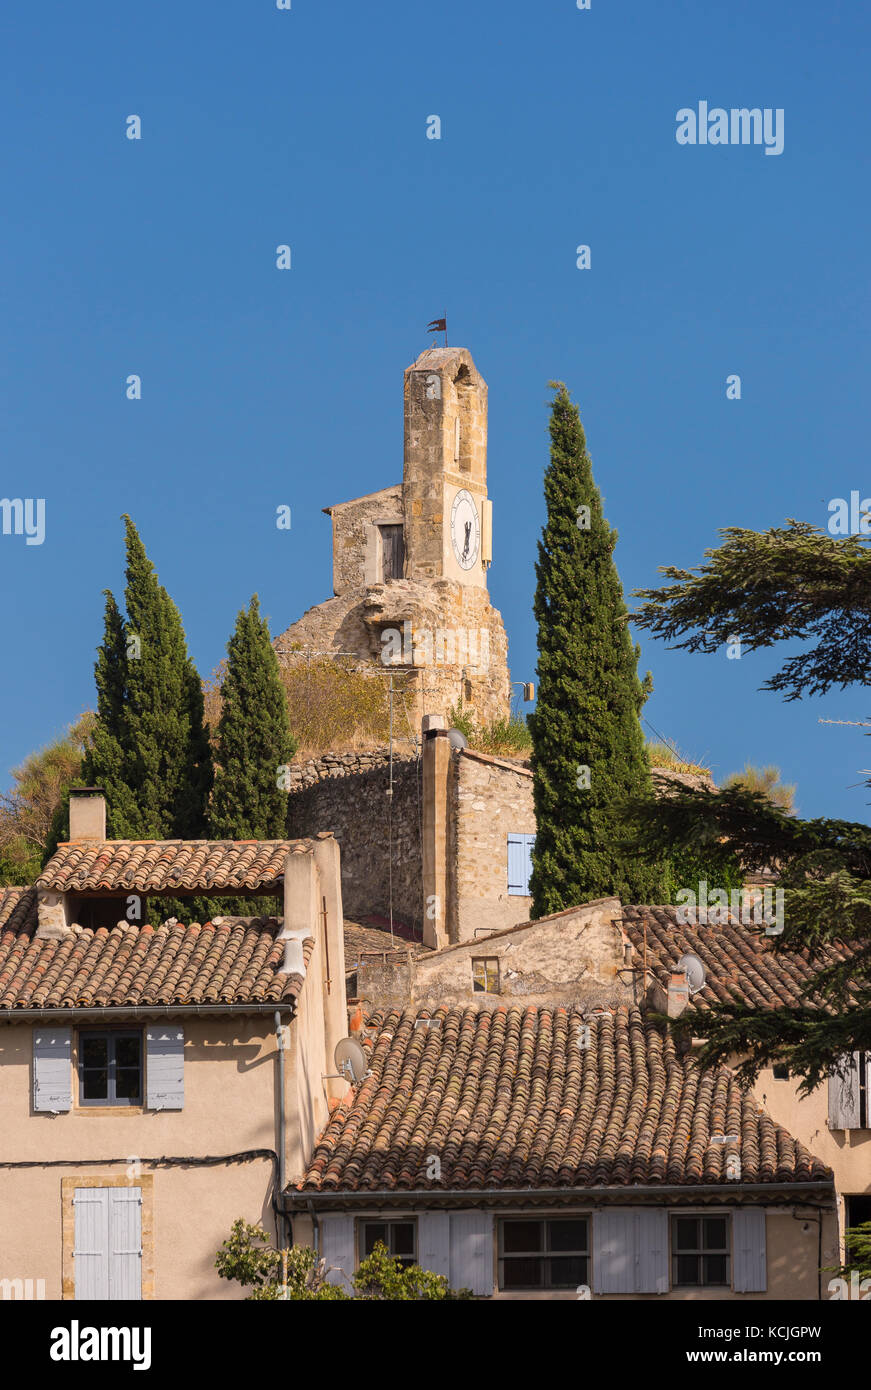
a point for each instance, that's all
(490, 798)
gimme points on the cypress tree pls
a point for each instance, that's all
(587, 746)
(150, 749)
(254, 738)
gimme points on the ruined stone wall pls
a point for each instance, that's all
(490, 798)
(347, 794)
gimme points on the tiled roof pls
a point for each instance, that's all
(508, 1099)
(735, 957)
(17, 908)
(373, 938)
(235, 962)
(166, 866)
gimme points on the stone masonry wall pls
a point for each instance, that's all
(347, 794)
(489, 799)
(355, 549)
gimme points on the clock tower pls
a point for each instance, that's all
(448, 517)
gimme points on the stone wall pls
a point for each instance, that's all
(356, 551)
(347, 794)
(576, 957)
(489, 798)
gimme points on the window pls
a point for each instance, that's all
(485, 975)
(857, 1210)
(700, 1251)
(400, 1237)
(550, 1254)
(519, 864)
(110, 1068)
(781, 1072)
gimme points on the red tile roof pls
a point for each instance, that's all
(735, 957)
(507, 1099)
(18, 908)
(167, 866)
(236, 962)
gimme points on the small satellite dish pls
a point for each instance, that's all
(350, 1060)
(694, 970)
(456, 739)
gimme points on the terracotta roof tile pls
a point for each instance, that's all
(236, 961)
(166, 866)
(735, 957)
(508, 1099)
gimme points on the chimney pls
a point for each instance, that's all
(87, 813)
(678, 993)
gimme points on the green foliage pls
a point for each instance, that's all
(296, 1275)
(662, 755)
(150, 749)
(254, 739)
(589, 693)
(857, 1242)
(29, 813)
(334, 705)
(501, 737)
(766, 780)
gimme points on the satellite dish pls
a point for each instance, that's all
(456, 739)
(350, 1060)
(694, 970)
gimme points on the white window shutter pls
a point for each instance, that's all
(748, 1250)
(517, 882)
(125, 1242)
(434, 1242)
(844, 1093)
(651, 1255)
(52, 1069)
(471, 1262)
(91, 1243)
(164, 1068)
(337, 1248)
(614, 1238)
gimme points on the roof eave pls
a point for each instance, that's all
(721, 1193)
(120, 1012)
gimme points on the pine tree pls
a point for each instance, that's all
(254, 738)
(150, 749)
(588, 749)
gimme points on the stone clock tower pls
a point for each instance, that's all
(448, 522)
(410, 561)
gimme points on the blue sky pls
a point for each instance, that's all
(262, 387)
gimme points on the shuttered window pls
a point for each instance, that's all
(108, 1242)
(748, 1250)
(700, 1251)
(110, 1067)
(519, 864)
(471, 1258)
(549, 1254)
(630, 1250)
(52, 1069)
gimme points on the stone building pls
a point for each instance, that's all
(410, 561)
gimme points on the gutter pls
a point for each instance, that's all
(788, 1192)
(119, 1011)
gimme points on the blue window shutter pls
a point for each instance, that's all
(434, 1242)
(472, 1252)
(651, 1262)
(52, 1069)
(164, 1068)
(748, 1250)
(125, 1242)
(519, 864)
(91, 1246)
(337, 1248)
(614, 1244)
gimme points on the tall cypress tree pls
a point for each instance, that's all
(254, 738)
(588, 749)
(151, 749)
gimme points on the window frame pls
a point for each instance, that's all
(700, 1251)
(487, 963)
(112, 1100)
(545, 1254)
(390, 1222)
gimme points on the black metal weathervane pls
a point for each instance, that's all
(439, 326)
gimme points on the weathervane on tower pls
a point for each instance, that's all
(439, 326)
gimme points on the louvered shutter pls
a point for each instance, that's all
(651, 1255)
(91, 1245)
(471, 1261)
(614, 1252)
(844, 1094)
(337, 1248)
(164, 1068)
(748, 1250)
(125, 1242)
(434, 1242)
(516, 865)
(52, 1069)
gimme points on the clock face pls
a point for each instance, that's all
(465, 529)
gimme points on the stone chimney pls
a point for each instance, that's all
(87, 813)
(678, 993)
